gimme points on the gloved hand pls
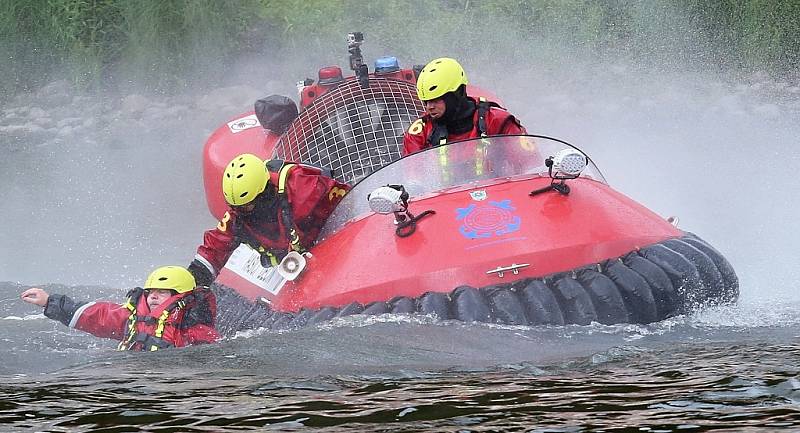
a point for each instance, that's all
(202, 276)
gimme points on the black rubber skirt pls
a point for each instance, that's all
(669, 278)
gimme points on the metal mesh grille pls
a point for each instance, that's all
(352, 130)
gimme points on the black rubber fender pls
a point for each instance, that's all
(712, 278)
(683, 274)
(731, 292)
(435, 303)
(575, 303)
(233, 311)
(634, 290)
(541, 306)
(605, 296)
(470, 306)
(668, 302)
(302, 317)
(375, 308)
(322, 315)
(350, 309)
(256, 317)
(402, 305)
(282, 320)
(653, 283)
(505, 307)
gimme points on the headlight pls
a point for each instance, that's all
(388, 199)
(569, 162)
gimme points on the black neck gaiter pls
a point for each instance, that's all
(459, 111)
(266, 205)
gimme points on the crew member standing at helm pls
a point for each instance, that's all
(449, 113)
(275, 207)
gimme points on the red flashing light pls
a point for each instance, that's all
(330, 75)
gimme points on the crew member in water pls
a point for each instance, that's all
(450, 114)
(275, 207)
(168, 312)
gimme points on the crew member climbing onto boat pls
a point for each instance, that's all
(169, 311)
(275, 207)
(450, 113)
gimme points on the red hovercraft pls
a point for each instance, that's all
(520, 230)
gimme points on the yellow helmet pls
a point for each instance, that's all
(245, 177)
(438, 77)
(175, 278)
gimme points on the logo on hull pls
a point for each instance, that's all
(496, 218)
(243, 123)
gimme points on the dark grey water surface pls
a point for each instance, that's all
(723, 368)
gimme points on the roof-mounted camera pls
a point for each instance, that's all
(354, 41)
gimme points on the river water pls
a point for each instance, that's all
(726, 368)
(99, 190)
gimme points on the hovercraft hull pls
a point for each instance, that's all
(486, 250)
(594, 255)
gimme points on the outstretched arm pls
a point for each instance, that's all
(35, 296)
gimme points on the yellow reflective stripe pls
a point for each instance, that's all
(480, 156)
(124, 344)
(527, 145)
(444, 163)
(162, 320)
(272, 259)
(284, 173)
(443, 155)
(295, 241)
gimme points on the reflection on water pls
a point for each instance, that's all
(691, 387)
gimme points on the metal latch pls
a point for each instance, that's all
(514, 268)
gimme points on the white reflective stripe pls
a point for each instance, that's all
(205, 263)
(78, 313)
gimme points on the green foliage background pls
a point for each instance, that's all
(164, 45)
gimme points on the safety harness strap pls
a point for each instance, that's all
(149, 342)
(484, 106)
(439, 133)
(275, 255)
(130, 328)
(286, 210)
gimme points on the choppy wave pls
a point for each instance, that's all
(680, 387)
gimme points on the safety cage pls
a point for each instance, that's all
(353, 130)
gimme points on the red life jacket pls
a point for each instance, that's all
(489, 119)
(169, 324)
(304, 198)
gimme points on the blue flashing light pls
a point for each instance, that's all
(386, 64)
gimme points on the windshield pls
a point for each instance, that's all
(465, 164)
